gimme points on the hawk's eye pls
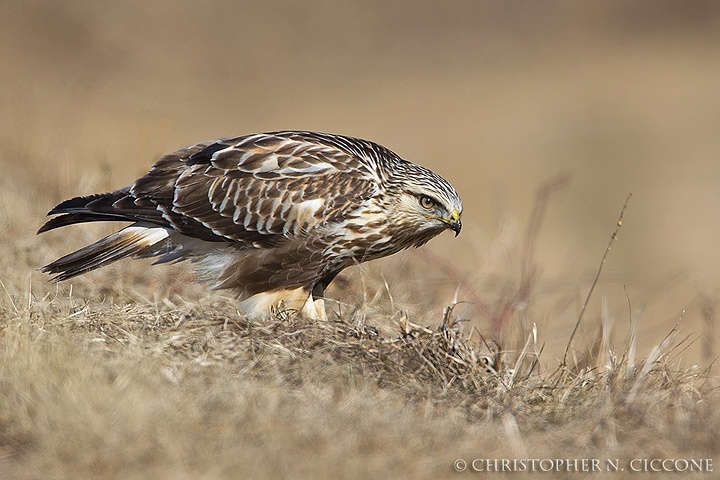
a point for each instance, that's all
(427, 202)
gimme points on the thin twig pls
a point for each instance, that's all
(12, 302)
(528, 272)
(536, 220)
(451, 272)
(613, 237)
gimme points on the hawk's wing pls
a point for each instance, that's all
(255, 190)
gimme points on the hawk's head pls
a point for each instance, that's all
(425, 203)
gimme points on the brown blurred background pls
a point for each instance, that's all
(496, 96)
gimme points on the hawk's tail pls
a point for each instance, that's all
(119, 205)
(138, 239)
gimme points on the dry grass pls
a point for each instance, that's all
(108, 390)
(454, 351)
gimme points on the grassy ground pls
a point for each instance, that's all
(139, 372)
(119, 389)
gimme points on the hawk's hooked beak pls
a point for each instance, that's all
(454, 223)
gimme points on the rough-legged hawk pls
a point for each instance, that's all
(273, 216)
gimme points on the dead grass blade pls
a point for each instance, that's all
(613, 237)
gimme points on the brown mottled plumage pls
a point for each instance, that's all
(274, 216)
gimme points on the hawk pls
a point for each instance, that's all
(273, 216)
